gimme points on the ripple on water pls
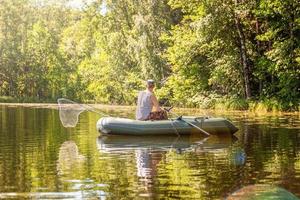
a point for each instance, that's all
(55, 195)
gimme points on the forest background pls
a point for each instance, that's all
(234, 54)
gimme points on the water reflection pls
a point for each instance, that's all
(153, 152)
(69, 158)
(40, 159)
(196, 143)
(262, 192)
(78, 195)
(146, 163)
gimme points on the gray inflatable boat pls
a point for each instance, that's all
(123, 126)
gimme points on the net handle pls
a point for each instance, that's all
(85, 106)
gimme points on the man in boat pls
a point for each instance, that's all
(147, 105)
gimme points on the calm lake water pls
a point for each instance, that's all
(40, 159)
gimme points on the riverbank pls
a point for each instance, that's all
(218, 102)
(197, 111)
(55, 106)
(262, 106)
(224, 104)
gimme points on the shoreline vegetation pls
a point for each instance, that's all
(224, 105)
(214, 54)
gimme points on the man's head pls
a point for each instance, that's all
(150, 84)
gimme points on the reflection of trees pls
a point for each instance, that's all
(217, 175)
(29, 138)
(272, 156)
(204, 173)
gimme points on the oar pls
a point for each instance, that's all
(189, 123)
(197, 127)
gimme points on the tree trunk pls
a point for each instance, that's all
(260, 53)
(243, 53)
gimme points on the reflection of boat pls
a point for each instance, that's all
(118, 143)
(122, 126)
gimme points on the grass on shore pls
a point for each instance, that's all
(262, 106)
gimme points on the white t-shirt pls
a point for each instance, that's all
(144, 105)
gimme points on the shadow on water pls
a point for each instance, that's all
(40, 159)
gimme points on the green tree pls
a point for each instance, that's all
(279, 35)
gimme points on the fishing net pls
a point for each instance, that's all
(69, 112)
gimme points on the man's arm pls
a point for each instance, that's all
(155, 103)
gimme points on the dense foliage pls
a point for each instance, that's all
(207, 53)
